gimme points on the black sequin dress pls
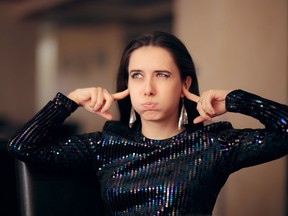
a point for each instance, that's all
(181, 175)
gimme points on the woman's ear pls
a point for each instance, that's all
(186, 84)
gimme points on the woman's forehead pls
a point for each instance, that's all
(151, 55)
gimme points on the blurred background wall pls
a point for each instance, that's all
(242, 44)
(59, 45)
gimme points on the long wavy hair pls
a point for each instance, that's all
(182, 59)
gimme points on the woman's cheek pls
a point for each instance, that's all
(133, 98)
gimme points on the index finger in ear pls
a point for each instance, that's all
(190, 95)
(120, 95)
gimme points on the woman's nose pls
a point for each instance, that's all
(149, 88)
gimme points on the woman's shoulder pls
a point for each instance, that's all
(217, 126)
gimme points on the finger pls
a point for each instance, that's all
(198, 120)
(190, 95)
(92, 97)
(106, 115)
(99, 100)
(207, 102)
(108, 102)
(209, 108)
(120, 95)
(203, 113)
(206, 107)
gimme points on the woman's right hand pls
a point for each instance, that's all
(97, 100)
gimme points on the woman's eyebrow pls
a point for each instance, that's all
(156, 71)
(165, 71)
(135, 70)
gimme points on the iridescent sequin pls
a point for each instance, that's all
(181, 175)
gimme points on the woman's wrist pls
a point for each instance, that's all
(62, 100)
(72, 96)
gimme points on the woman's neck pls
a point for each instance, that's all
(159, 131)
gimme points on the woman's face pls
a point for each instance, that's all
(154, 84)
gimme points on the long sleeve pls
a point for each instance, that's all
(36, 144)
(248, 147)
(175, 176)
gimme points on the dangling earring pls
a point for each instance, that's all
(183, 118)
(132, 118)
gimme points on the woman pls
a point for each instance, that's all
(152, 162)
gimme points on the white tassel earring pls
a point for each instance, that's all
(183, 118)
(132, 118)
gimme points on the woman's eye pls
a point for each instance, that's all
(161, 74)
(136, 75)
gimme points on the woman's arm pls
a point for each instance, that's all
(271, 114)
(35, 142)
(248, 147)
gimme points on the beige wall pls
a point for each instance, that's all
(93, 62)
(17, 69)
(78, 57)
(241, 44)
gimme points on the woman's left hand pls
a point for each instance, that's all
(210, 104)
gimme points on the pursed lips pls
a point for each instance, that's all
(149, 105)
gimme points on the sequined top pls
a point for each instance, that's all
(181, 175)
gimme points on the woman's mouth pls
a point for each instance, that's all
(149, 105)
